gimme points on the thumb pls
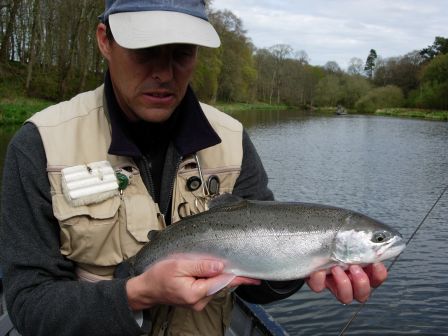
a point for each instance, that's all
(206, 268)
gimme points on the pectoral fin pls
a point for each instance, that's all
(222, 281)
(153, 234)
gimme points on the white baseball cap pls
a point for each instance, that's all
(137, 24)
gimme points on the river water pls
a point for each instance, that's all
(388, 168)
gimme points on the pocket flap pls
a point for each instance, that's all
(103, 210)
(142, 216)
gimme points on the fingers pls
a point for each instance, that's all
(360, 283)
(205, 268)
(340, 285)
(354, 284)
(238, 281)
(377, 274)
(181, 282)
(316, 281)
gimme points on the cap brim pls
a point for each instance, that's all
(136, 30)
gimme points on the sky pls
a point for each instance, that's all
(338, 30)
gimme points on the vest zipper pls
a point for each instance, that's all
(148, 176)
(173, 181)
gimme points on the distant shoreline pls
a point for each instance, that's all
(414, 113)
(15, 111)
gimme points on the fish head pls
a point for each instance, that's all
(363, 240)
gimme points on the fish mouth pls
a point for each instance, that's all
(392, 249)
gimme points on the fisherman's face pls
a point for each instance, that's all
(148, 83)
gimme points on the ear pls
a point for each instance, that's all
(104, 44)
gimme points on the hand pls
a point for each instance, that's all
(179, 282)
(354, 284)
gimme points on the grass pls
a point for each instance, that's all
(16, 110)
(414, 113)
(239, 107)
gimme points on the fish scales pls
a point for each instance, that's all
(273, 240)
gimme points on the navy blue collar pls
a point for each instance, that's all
(190, 128)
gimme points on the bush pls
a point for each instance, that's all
(387, 96)
(432, 95)
(433, 91)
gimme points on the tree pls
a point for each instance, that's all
(433, 91)
(302, 57)
(352, 89)
(264, 63)
(35, 33)
(9, 32)
(332, 67)
(356, 66)
(329, 91)
(382, 97)
(440, 46)
(237, 76)
(206, 77)
(403, 71)
(280, 52)
(370, 63)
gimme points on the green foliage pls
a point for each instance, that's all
(433, 91)
(329, 91)
(240, 107)
(206, 76)
(401, 71)
(432, 95)
(439, 47)
(414, 113)
(388, 96)
(352, 89)
(17, 110)
(341, 89)
(436, 70)
(237, 78)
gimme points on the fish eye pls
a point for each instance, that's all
(380, 237)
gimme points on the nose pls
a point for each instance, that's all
(162, 67)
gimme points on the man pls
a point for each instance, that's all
(64, 230)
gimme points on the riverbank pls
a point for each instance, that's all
(15, 110)
(414, 113)
(241, 107)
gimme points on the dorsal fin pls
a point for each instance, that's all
(227, 201)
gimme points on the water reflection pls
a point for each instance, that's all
(264, 118)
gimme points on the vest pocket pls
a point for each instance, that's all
(142, 216)
(89, 234)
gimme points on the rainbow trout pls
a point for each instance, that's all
(272, 240)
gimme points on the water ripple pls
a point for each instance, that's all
(390, 169)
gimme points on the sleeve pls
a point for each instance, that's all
(253, 184)
(42, 293)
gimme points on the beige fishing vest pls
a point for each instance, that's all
(100, 235)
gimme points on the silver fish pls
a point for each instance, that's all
(273, 240)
